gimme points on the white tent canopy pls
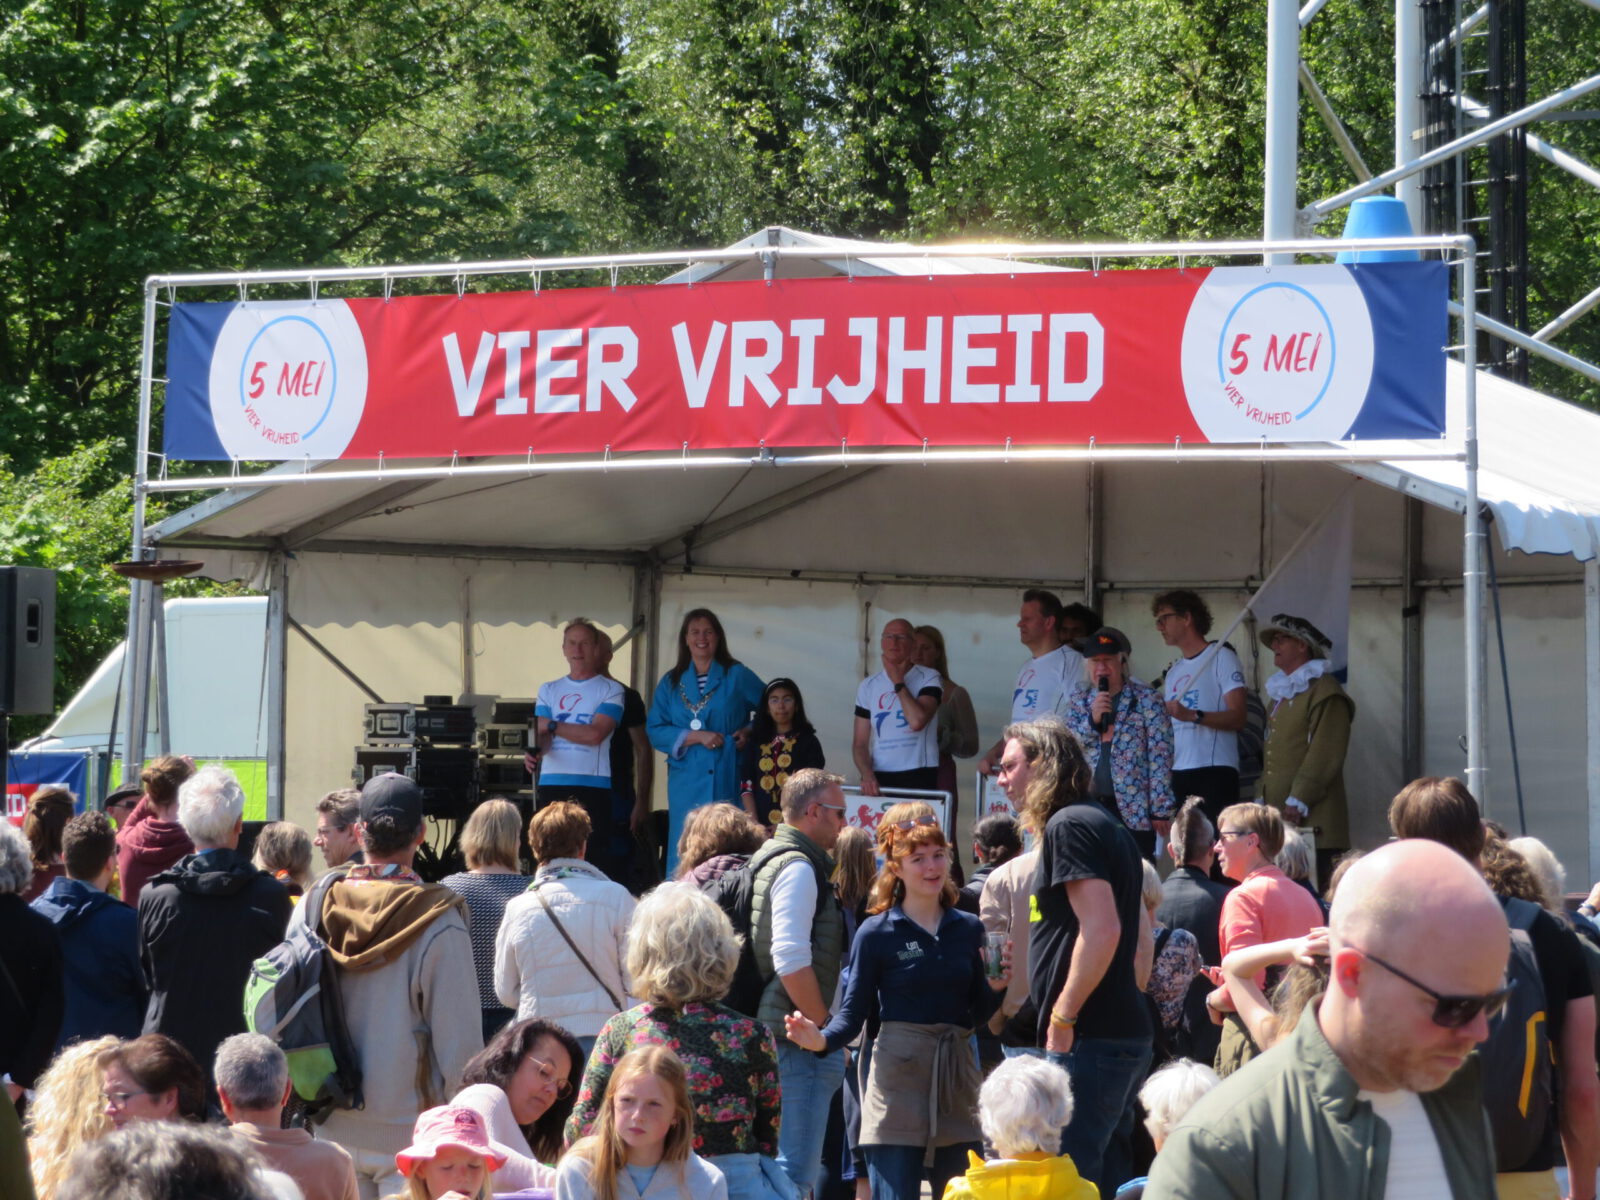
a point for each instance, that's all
(456, 583)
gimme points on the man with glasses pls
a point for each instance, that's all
(1375, 1091)
(1205, 697)
(1267, 906)
(798, 934)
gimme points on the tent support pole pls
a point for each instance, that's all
(277, 672)
(1411, 641)
(1473, 551)
(1094, 495)
(140, 594)
(1591, 676)
(158, 622)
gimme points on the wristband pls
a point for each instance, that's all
(1061, 1022)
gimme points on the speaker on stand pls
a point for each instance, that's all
(27, 650)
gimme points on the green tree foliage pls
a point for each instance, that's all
(156, 136)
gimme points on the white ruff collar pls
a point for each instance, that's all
(1283, 687)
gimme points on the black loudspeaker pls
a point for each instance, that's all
(27, 641)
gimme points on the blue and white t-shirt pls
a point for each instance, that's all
(1045, 684)
(567, 764)
(1201, 683)
(895, 745)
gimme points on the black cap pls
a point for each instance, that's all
(1106, 641)
(128, 791)
(393, 796)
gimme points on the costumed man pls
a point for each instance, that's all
(1308, 732)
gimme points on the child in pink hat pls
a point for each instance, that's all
(450, 1157)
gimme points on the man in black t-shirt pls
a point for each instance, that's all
(633, 765)
(1087, 936)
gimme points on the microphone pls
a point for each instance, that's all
(1103, 722)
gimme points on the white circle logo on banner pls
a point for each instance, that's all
(288, 379)
(1281, 353)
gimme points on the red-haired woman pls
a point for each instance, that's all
(921, 962)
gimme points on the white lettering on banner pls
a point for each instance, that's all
(466, 386)
(612, 376)
(513, 403)
(756, 368)
(964, 357)
(805, 391)
(903, 359)
(548, 368)
(1024, 325)
(1094, 365)
(865, 328)
(697, 375)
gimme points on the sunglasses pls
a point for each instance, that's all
(914, 823)
(1449, 1012)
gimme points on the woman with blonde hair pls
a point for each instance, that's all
(491, 844)
(958, 721)
(681, 956)
(642, 1148)
(283, 850)
(68, 1112)
(920, 964)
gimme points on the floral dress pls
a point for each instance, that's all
(732, 1063)
(1174, 969)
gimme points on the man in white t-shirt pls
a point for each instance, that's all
(1047, 680)
(575, 717)
(1375, 1091)
(1205, 695)
(896, 742)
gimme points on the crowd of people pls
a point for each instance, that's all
(808, 1008)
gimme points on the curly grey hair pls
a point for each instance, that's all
(1024, 1105)
(16, 859)
(681, 947)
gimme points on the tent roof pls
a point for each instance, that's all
(1536, 471)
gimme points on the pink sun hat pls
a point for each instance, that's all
(449, 1126)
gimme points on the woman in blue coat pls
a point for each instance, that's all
(700, 719)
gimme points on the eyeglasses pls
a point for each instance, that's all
(1224, 834)
(549, 1078)
(119, 1100)
(1163, 618)
(834, 807)
(1449, 1012)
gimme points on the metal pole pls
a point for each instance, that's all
(1408, 119)
(1473, 550)
(1315, 212)
(277, 671)
(1411, 639)
(137, 651)
(158, 623)
(1283, 124)
(1591, 676)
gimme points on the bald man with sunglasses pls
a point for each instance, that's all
(1375, 1092)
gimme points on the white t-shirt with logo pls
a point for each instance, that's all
(895, 745)
(1045, 684)
(1416, 1168)
(1203, 690)
(567, 764)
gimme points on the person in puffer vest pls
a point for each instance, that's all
(798, 933)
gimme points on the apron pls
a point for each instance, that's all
(922, 1088)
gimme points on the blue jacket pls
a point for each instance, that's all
(104, 984)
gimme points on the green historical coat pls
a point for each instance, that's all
(1307, 736)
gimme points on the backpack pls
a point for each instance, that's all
(293, 998)
(735, 893)
(1518, 1068)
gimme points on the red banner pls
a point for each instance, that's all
(1127, 357)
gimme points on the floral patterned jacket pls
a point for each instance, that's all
(733, 1073)
(1141, 751)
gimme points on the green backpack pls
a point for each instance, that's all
(293, 998)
